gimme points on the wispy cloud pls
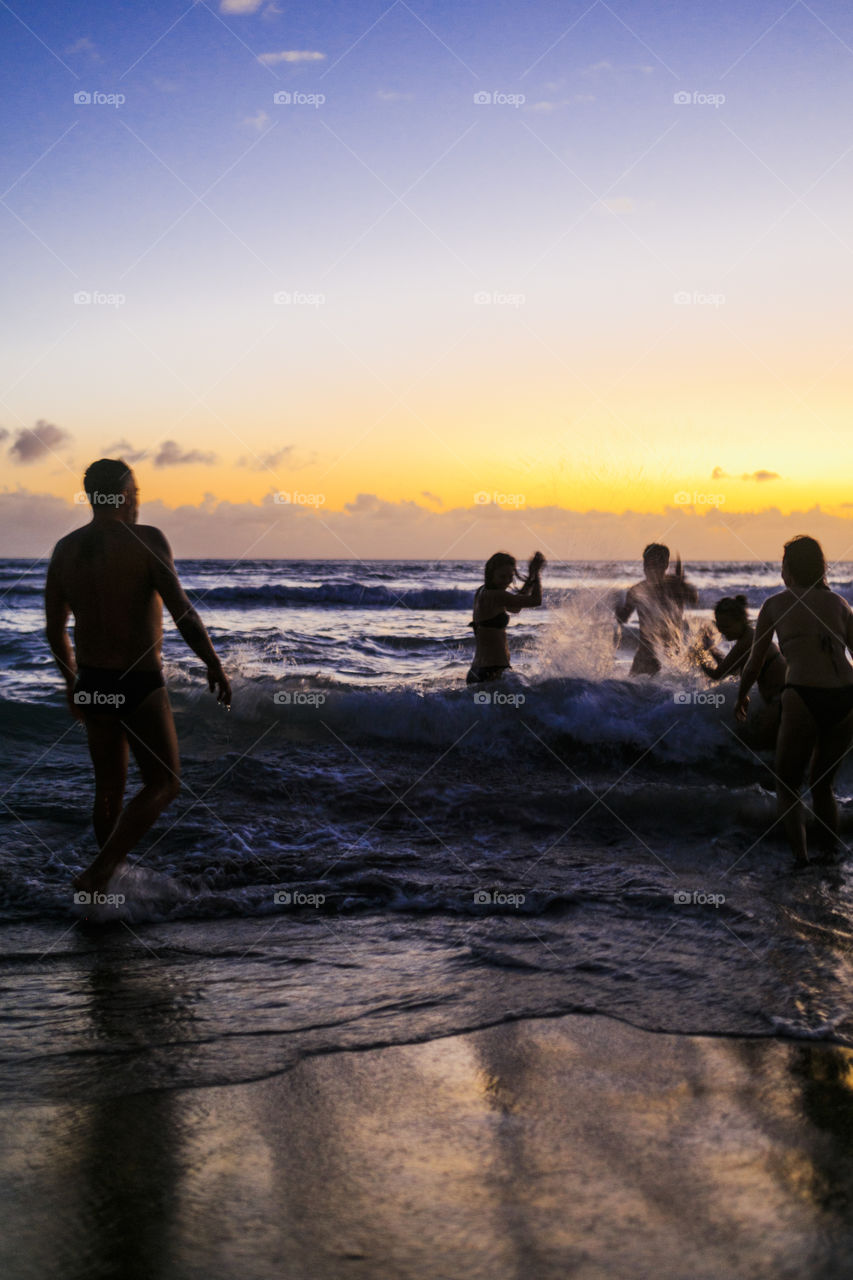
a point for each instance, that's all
(84, 45)
(393, 95)
(284, 457)
(240, 6)
(124, 449)
(259, 122)
(32, 443)
(760, 476)
(170, 454)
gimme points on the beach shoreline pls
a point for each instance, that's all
(542, 1147)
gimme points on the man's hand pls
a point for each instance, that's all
(741, 707)
(72, 705)
(217, 680)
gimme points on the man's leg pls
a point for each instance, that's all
(108, 749)
(150, 731)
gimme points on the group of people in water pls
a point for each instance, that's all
(114, 576)
(805, 681)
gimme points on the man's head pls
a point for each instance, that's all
(111, 489)
(655, 560)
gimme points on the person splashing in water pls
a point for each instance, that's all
(493, 603)
(732, 619)
(814, 627)
(659, 600)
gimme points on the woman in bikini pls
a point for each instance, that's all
(814, 627)
(493, 603)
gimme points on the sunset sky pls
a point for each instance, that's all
(580, 257)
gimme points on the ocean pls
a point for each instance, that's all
(367, 852)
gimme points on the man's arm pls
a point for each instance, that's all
(56, 612)
(623, 611)
(186, 619)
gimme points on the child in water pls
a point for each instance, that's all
(732, 619)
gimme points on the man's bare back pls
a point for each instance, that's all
(114, 576)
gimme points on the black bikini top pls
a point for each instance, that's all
(498, 620)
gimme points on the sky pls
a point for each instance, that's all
(364, 279)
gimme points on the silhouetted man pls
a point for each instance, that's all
(659, 600)
(114, 576)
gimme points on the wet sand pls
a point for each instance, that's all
(541, 1148)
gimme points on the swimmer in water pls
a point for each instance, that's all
(814, 627)
(493, 603)
(659, 600)
(732, 619)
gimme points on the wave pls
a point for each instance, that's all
(352, 594)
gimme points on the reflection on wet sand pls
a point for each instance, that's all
(576, 1145)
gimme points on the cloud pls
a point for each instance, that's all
(368, 526)
(124, 449)
(719, 474)
(290, 55)
(393, 95)
(604, 65)
(259, 122)
(285, 456)
(432, 497)
(171, 455)
(4, 434)
(240, 6)
(761, 476)
(84, 45)
(34, 443)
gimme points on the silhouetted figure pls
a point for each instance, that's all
(114, 576)
(814, 627)
(493, 603)
(659, 600)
